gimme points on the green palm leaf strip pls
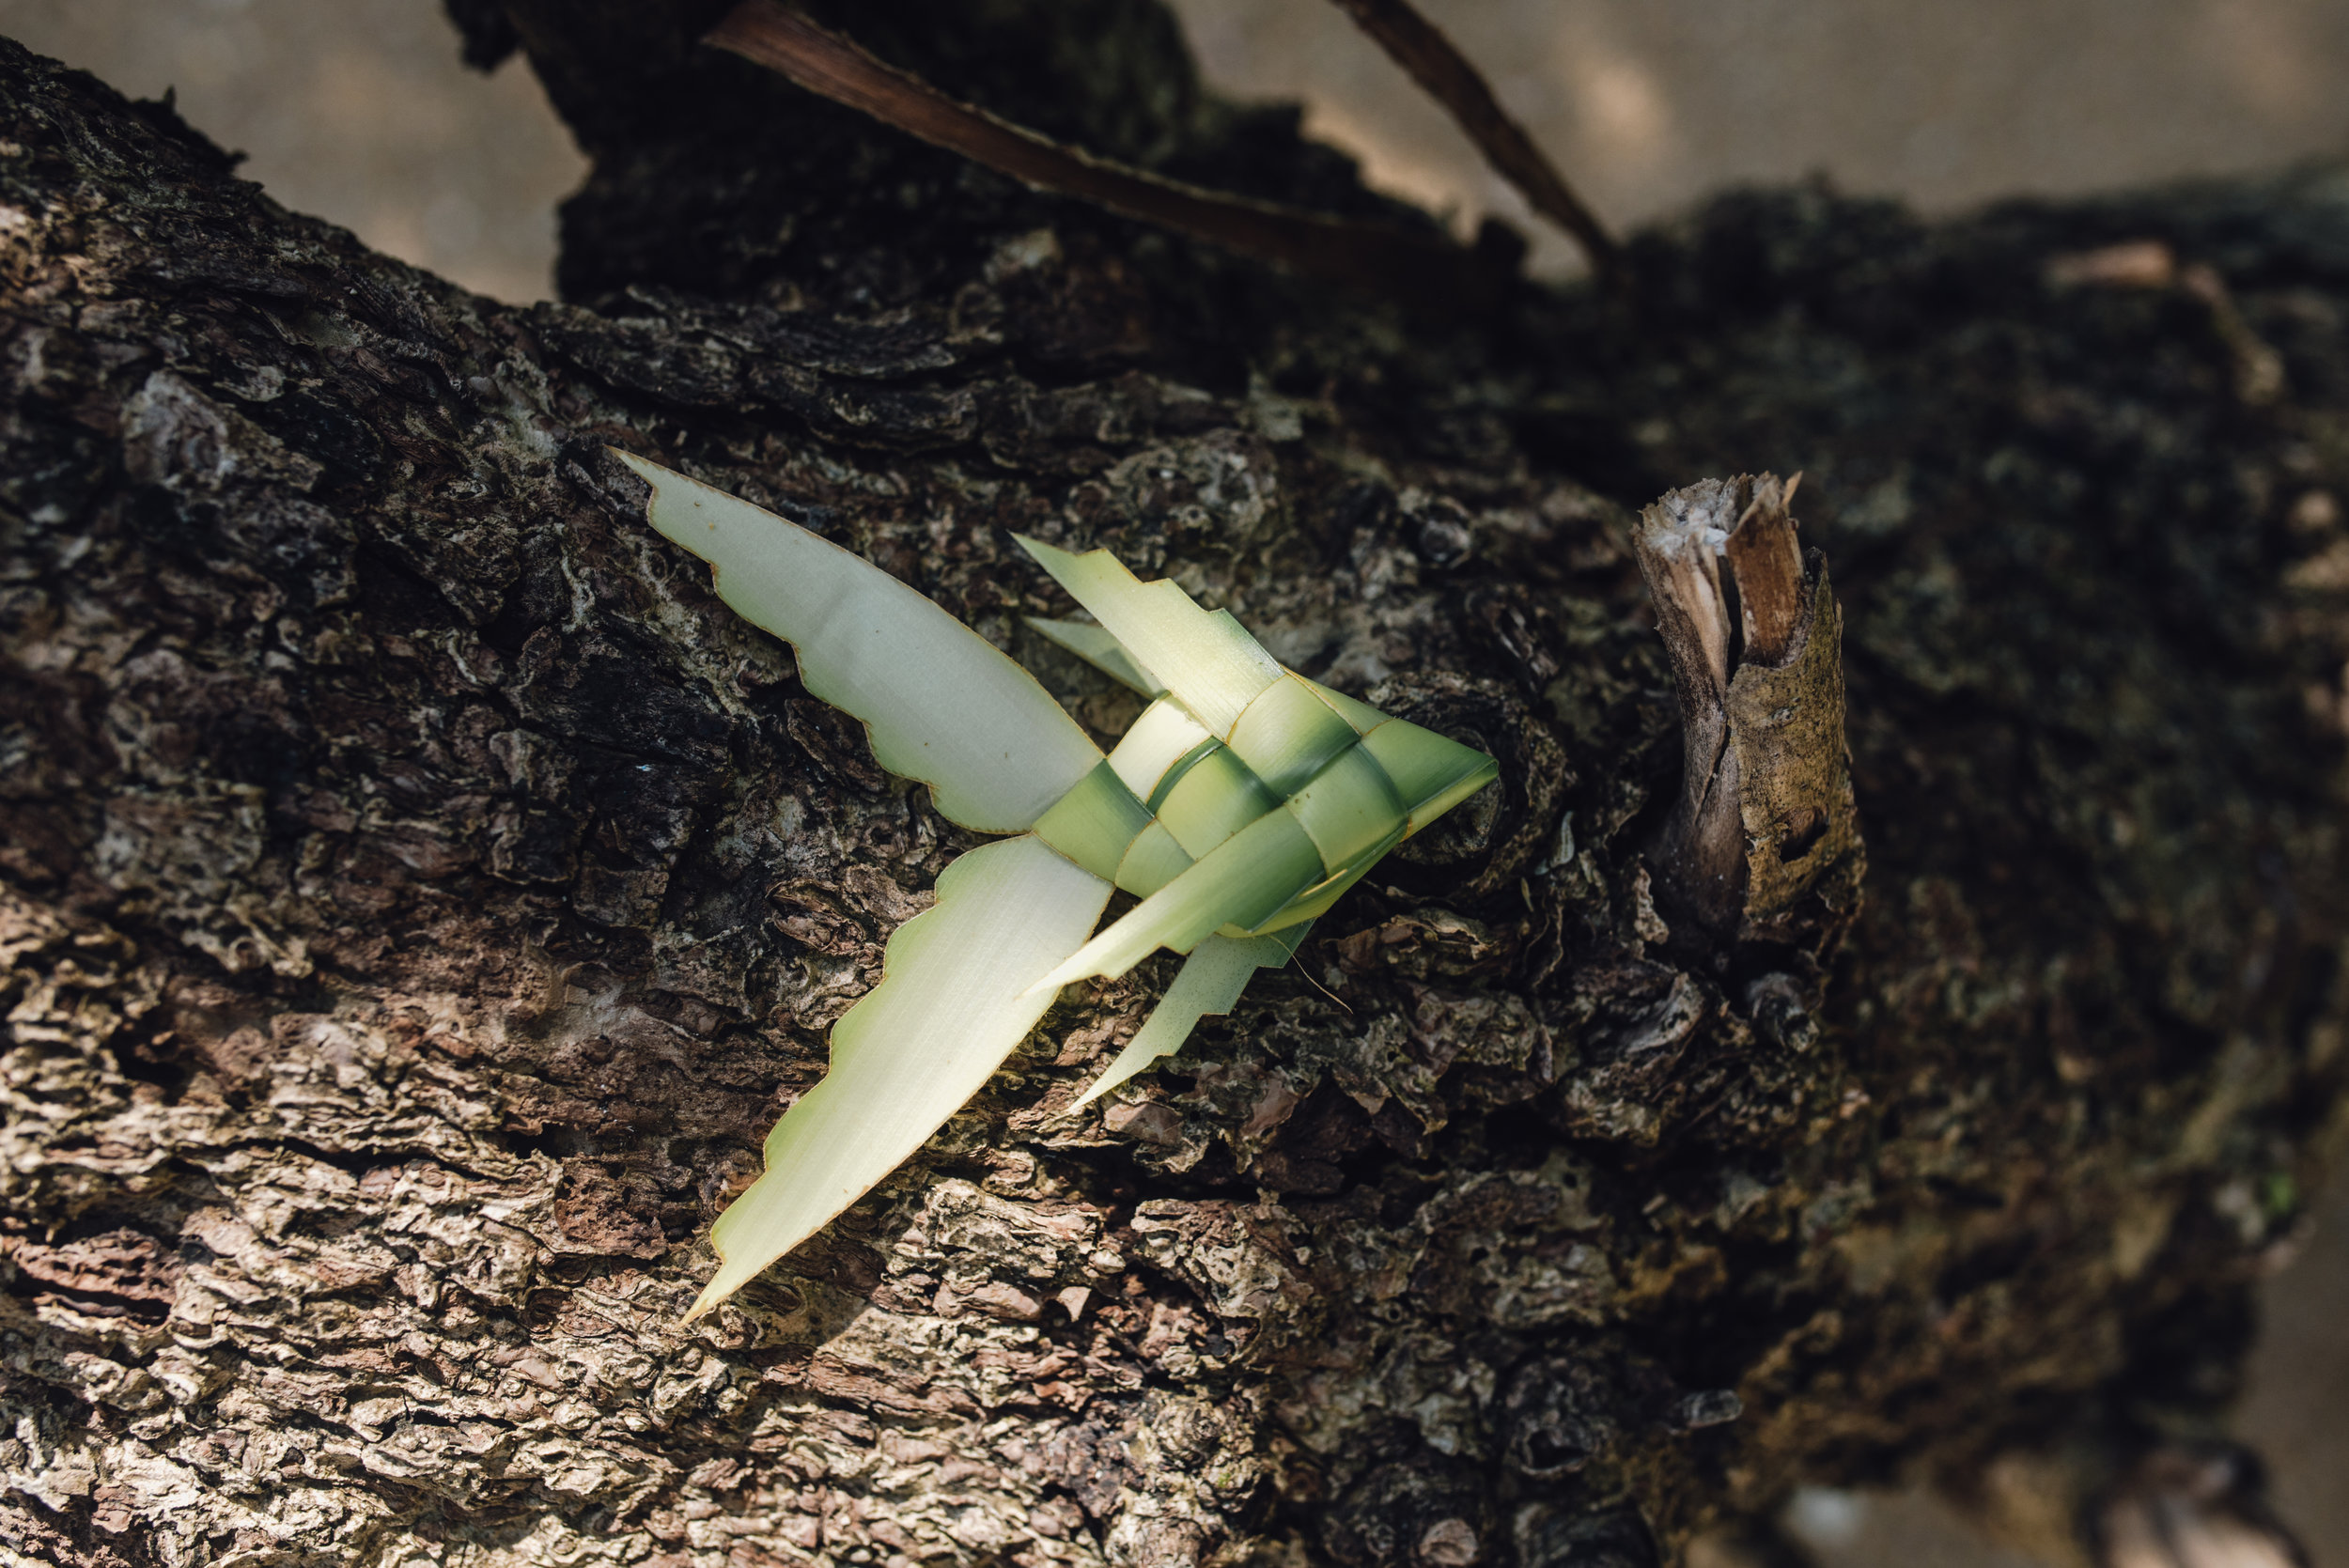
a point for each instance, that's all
(1238, 807)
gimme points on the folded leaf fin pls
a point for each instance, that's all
(958, 993)
(1102, 651)
(1431, 773)
(1207, 659)
(1239, 882)
(943, 704)
(1210, 981)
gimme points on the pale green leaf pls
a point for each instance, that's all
(1094, 823)
(944, 706)
(1210, 981)
(1363, 717)
(1153, 861)
(1431, 774)
(1164, 736)
(1459, 789)
(1349, 806)
(1233, 848)
(1315, 902)
(958, 993)
(1207, 660)
(1215, 798)
(1102, 651)
(1289, 734)
(1242, 881)
(1181, 766)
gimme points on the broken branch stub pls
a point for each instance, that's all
(1764, 839)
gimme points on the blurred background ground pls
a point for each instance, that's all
(355, 110)
(358, 111)
(1648, 105)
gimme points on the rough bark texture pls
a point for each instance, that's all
(420, 895)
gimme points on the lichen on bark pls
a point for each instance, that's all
(420, 892)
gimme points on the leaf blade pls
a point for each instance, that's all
(1100, 650)
(1239, 882)
(1208, 661)
(1165, 735)
(1289, 734)
(944, 706)
(1210, 981)
(957, 994)
(1431, 773)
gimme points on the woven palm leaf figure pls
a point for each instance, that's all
(1237, 808)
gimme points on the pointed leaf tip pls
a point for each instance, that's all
(956, 995)
(706, 1302)
(1240, 883)
(1210, 981)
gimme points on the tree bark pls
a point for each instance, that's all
(421, 893)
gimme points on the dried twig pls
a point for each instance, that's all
(1435, 64)
(1419, 267)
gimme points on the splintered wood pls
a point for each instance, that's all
(1764, 837)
